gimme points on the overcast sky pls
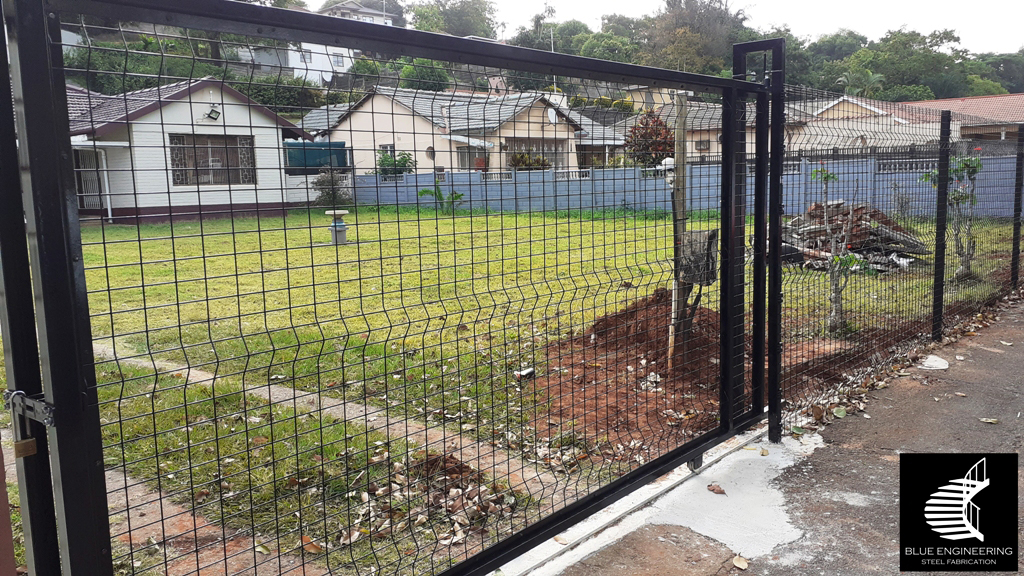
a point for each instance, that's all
(988, 26)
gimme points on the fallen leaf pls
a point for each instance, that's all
(764, 451)
(839, 412)
(970, 333)
(347, 538)
(797, 430)
(310, 546)
(817, 412)
(259, 440)
(961, 394)
(1005, 343)
(960, 358)
(201, 496)
(561, 540)
(740, 562)
(989, 420)
(717, 489)
(263, 549)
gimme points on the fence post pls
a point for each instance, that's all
(58, 275)
(20, 347)
(941, 203)
(775, 210)
(1018, 191)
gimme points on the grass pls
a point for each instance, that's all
(266, 469)
(416, 316)
(427, 315)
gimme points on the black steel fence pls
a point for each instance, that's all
(323, 296)
(901, 222)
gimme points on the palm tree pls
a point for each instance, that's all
(861, 82)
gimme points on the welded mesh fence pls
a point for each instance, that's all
(861, 236)
(365, 313)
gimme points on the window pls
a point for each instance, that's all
(200, 159)
(472, 157)
(338, 60)
(366, 19)
(552, 150)
(703, 145)
(389, 148)
(306, 56)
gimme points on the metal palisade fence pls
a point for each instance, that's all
(315, 294)
(304, 293)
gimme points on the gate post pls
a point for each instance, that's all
(941, 202)
(21, 353)
(58, 276)
(733, 216)
(1018, 190)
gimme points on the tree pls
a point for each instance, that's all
(836, 46)
(903, 93)
(456, 17)
(623, 26)
(400, 163)
(978, 86)
(650, 140)
(1008, 69)
(282, 94)
(841, 261)
(114, 67)
(424, 74)
(963, 174)
(861, 82)
(607, 47)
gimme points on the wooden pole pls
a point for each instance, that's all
(680, 290)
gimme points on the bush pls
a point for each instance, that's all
(283, 94)
(552, 88)
(446, 204)
(624, 105)
(525, 161)
(603, 102)
(333, 188)
(424, 74)
(650, 140)
(400, 163)
(578, 101)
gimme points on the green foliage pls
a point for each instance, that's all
(526, 161)
(578, 101)
(861, 82)
(978, 86)
(552, 88)
(823, 175)
(333, 188)
(963, 170)
(424, 74)
(1007, 69)
(445, 203)
(901, 93)
(650, 140)
(456, 17)
(282, 94)
(607, 47)
(115, 68)
(602, 102)
(364, 66)
(400, 163)
(624, 105)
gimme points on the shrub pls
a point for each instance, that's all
(578, 101)
(446, 204)
(525, 161)
(400, 163)
(333, 188)
(283, 94)
(624, 105)
(650, 140)
(603, 102)
(552, 88)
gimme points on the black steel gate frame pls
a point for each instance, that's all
(67, 529)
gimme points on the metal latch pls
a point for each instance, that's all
(24, 408)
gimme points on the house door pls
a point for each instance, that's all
(87, 179)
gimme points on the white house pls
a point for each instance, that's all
(316, 62)
(197, 147)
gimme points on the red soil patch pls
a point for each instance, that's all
(613, 382)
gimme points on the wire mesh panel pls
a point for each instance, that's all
(362, 312)
(860, 237)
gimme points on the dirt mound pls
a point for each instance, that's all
(612, 384)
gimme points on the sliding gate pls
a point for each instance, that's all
(527, 284)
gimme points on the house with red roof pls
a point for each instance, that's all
(1001, 114)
